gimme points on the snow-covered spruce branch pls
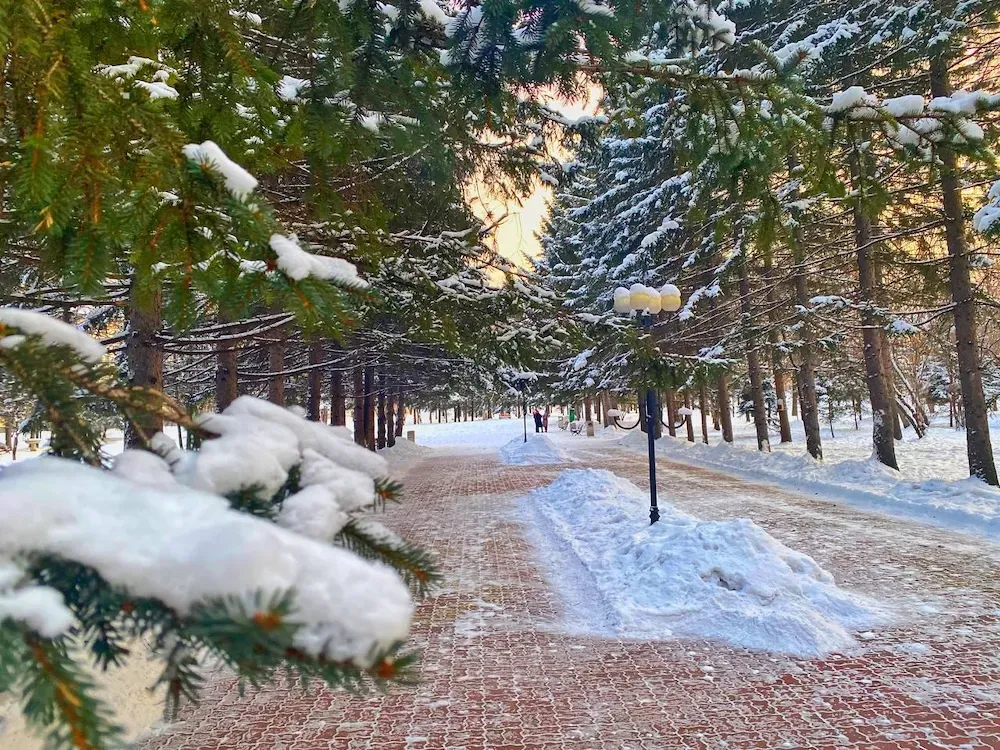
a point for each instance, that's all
(237, 551)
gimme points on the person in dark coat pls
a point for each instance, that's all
(538, 420)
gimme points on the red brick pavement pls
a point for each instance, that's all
(496, 672)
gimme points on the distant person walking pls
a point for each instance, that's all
(545, 420)
(538, 420)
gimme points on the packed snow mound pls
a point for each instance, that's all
(724, 580)
(538, 450)
(404, 453)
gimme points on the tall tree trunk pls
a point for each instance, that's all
(605, 405)
(777, 358)
(145, 362)
(805, 373)
(671, 413)
(878, 389)
(390, 417)
(227, 387)
(689, 417)
(382, 436)
(890, 379)
(400, 413)
(314, 398)
(359, 404)
(276, 365)
(977, 429)
(725, 410)
(338, 408)
(753, 363)
(703, 410)
(370, 407)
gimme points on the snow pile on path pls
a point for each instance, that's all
(538, 450)
(725, 580)
(968, 504)
(404, 453)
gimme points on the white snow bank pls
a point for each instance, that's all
(967, 504)
(725, 580)
(538, 450)
(180, 546)
(51, 331)
(404, 453)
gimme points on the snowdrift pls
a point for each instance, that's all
(404, 453)
(969, 504)
(723, 580)
(538, 450)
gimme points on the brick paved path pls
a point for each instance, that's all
(498, 674)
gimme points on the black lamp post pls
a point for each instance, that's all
(522, 386)
(647, 302)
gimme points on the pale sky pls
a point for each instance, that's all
(516, 238)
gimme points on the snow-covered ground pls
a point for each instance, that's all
(726, 580)
(932, 484)
(539, 449)
(483, 434)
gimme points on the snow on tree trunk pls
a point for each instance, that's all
(981, 463)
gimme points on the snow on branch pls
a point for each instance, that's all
(298, 264)
(182, 546)
(157, 88)
(986, 217)
(239, 182)
(51, 331)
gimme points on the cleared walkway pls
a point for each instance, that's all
(497, 673)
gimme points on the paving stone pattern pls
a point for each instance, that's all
(497, 673)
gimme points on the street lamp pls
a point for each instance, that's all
(646, 302)
(522, 386)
